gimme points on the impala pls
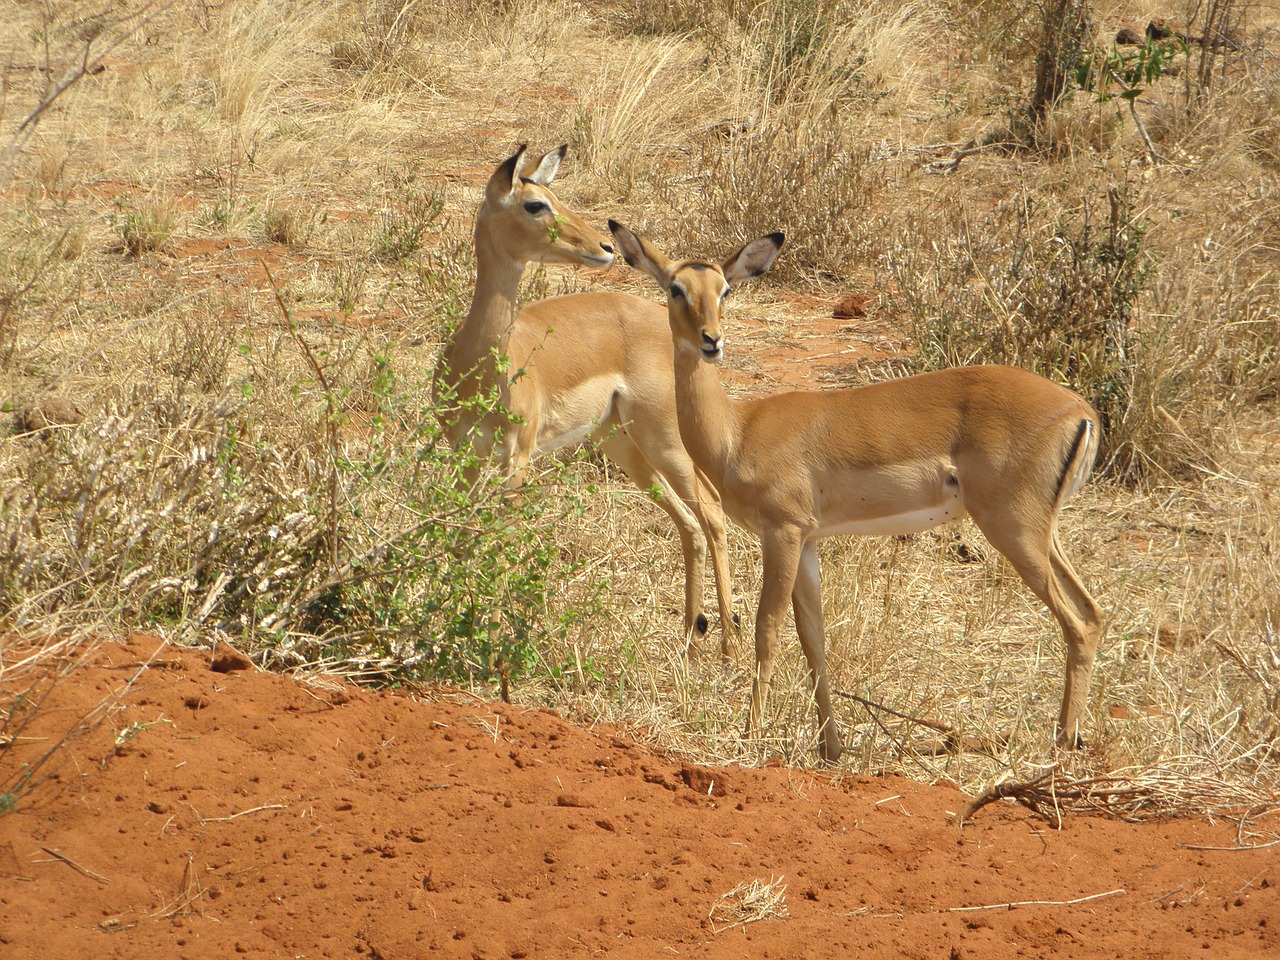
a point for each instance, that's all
(1003, 445)
(592, 364)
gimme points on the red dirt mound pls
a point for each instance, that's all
(226, 811)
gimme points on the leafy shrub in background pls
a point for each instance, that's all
(346, 537)
(1060, 295)
(797, 157)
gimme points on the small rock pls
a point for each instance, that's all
(228, 660)
(854, 306)
(48, 412)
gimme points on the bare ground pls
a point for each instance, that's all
(209, 814)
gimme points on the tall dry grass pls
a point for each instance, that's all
(792, 143)
(342, 147)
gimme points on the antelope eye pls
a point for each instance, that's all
(724, 296)
(535, 207)
(675, 291)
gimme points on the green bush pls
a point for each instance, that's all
(1057, 294)
(314, 517)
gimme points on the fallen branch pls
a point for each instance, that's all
(242, 813)
(952, 741)
(1028, 793)
(75, 866)
(1039, 903)
(939, 725)
(1131, 796)
(951, 164)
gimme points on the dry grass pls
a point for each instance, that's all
(355, 136)
(749, 902)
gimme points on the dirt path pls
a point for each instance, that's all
(248, 814)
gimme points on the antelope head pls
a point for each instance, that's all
(523, 220)
(696, 289)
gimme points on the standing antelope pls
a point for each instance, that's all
(1001, 444)
(588, 364)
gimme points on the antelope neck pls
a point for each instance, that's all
(709, 424)
(487, 327)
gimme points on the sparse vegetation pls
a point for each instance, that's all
(148, 228)
(407, 215)
(337, 529)
(275, 477)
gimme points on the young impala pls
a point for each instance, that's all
(567, 368)
(1001, 444)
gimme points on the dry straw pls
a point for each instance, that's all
(749, 902)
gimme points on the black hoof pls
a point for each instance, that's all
(700, 625)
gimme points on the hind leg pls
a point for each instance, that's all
(1036, 554)
(1084, 617)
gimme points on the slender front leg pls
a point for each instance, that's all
(781, 550)
(711, 515)
(518, 441)
(806, 599)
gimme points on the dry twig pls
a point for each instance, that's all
(1039, 903)
(268, 806)
(75, 866)
(190, 890)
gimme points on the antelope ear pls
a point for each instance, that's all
(753, 259)
(548, 166)
(641, 254)
(507, 177)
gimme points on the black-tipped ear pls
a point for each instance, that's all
(507, 175)
(628, 242)
(753, 259)
(548, 166)
(639, 253)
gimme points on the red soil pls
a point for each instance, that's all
(252, 814)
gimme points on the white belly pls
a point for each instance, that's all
(579, 432)
(572, 416)
(911, 521)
